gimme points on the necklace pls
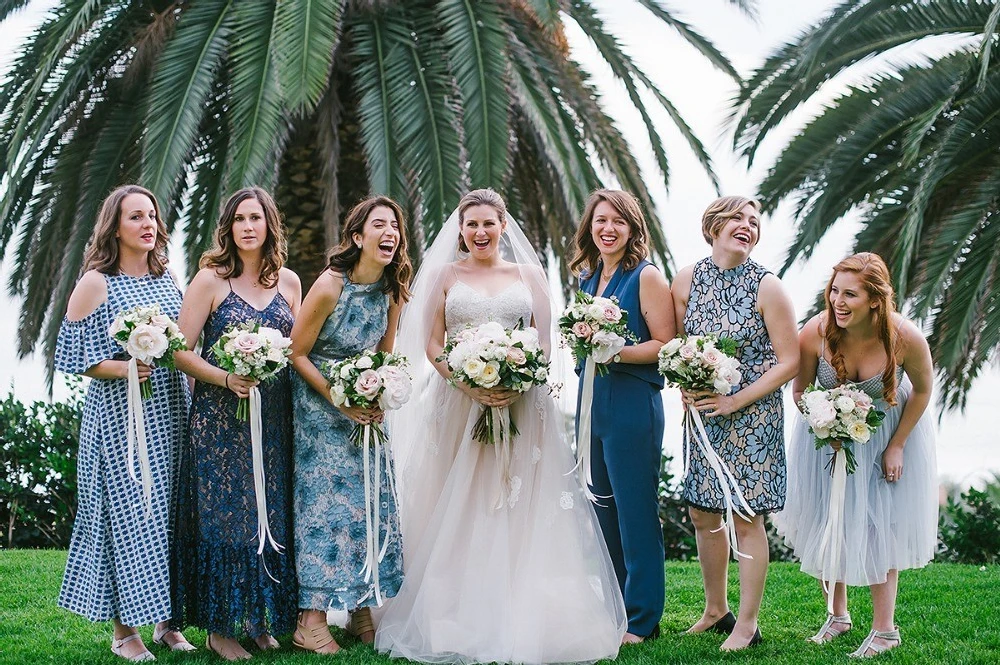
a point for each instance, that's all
(605, 277)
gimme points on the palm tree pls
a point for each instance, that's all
(915, 148)
(325, 102)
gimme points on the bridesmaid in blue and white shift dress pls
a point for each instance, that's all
(627, 408)
(352, 307)
(118, 566)
(891, 501)
(221, 583)
(731, 295)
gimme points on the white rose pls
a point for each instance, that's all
(606, 346)
(337, 394)
(542, 373)
(117, 326)
(844, 404)
(821, 432)
(346, 371)
(396, 387)
(473, 367)
(721, 386)
(274, 337)
(595, 311)
(527, 338)
(824, 414)
(859, 432)
(364, 362)
(459, 354)
(275, 355)
(490, 375)
(490, 331)
(712, 356)
(368, 383)
(688, 351)
(146, 343)
(671, 347)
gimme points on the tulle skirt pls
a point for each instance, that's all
(527, 582)
(886, 525)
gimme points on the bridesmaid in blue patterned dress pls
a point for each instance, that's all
(221, 583)
(626, 446)
(733, 296)
(118, 566)
(353, 306)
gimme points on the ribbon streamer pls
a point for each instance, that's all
(833, 533)
(500, 417)
(259, 481)
(374, 553)
(727, 482)
(583, 461)
(136, 437)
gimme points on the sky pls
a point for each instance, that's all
(967, 444)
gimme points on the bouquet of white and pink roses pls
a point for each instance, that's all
(150, 336)
(371, 378)
(700, 363)
(489, 356)
(845, 413)
(595, 328)
(252, 350)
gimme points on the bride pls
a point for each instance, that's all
(529, 581)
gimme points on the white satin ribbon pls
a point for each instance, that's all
(259, 481)
(135, 429)
(727, 482)
(500, 416)
(374, 553)
(833, 533)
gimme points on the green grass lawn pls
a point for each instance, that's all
(948, 614)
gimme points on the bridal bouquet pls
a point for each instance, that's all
(489, 356)
(371, 378)
(252, 350)
(845, 413)
(707, 363)
(595, 328)
(700, 363)
(148, 335)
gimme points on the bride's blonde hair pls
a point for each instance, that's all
(479, 197)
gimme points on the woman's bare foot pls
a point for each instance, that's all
(226, 648)
(266, 642)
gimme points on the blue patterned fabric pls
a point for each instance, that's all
(118, 558)
(220, 582)
(330, 527)
(751, 440)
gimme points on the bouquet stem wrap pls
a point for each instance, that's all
(259, 481)
(833, 533)
(695, 428)
(583, 461)
(136, 438)
(373, 439)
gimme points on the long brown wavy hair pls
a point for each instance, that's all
(345, 256)
(103, 254)
(637, 247)
(225, 257)
(874, 275)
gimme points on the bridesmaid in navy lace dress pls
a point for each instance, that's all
(118, 566)
(353, 306)
(221, 583)
(733, 296)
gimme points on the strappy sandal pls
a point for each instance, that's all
(876, 649)
(141, 657)
(314, 638)
(181, 644)
(361, 623)
(827, 632)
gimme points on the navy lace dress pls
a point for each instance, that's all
(220, 583)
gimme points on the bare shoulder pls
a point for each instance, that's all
(89, 293)
(812, 331)
(327, 287)
(651, 277)
(682, 282)
(770, 285)
(288, 276)
(910, 335)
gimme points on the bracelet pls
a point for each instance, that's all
(227, 381)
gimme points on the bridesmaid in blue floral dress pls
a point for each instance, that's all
(353, 306)
(221, 583)
(733, 296)
(118, 566)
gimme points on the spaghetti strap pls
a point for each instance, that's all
(230, 282)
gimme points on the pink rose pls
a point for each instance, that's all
(247, 343)
(368, 383)
(612, 313)
(516, 356)
(582, 330)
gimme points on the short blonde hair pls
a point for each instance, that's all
(720, 211)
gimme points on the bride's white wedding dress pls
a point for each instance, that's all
(530, 582)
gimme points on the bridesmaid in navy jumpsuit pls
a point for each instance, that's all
(627, 411)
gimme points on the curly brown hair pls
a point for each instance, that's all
(224, 256)
(637, 247)
(874, 275)
(102, 252)
(345, 256)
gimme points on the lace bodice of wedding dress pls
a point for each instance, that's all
(466, 306)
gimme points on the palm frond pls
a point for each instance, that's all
(695, 39)
(305, 38)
